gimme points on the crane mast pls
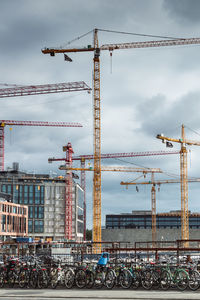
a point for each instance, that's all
(184, 188)
(96, 145)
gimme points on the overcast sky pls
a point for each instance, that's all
(143, 91)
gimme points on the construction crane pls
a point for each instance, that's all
(68, 168)
(4, 123)
(97, 247)
(154, 182)
(69, 233)
(44, 89)
(183, 179)
(115, 169)
(17, 90)
(96, 49)
(83, 158)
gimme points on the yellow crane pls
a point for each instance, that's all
(145, 171)
(183, 178)
(96, 49)
(153, 196)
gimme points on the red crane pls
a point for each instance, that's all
(3, 123)
(37, 90)
(44, 89)
(83, 158)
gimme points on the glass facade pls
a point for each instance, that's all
(33, 196)
(145, 221)
(45, 199)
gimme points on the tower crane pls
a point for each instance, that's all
(96, 49)
(145, 171)
(69, 234)
(4, 123)
(83, 158)
(17, 90)
(183, 178)
(154, 182)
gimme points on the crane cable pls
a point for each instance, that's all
(120, 32)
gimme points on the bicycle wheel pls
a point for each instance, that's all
(11, 279)
(89, 279)
(2, 279)
(69, 278)
(99, 279)
(165, 281)
(181, 280)
(54, 281)
(194, 280)
(33, 279)
(146, 280)
(23, 279)
(110, 279)
(42, 280)
(136, 280)
(125, 279)
(80, 279)
(156, 279)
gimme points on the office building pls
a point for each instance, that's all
(45, 198)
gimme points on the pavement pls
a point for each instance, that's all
(43, 294)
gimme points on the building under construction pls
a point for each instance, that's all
(45, 198)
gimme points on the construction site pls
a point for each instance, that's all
(57, 205)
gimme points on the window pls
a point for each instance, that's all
(41, 212)
(21, 194)
(15, 193)
(80, 214)
(39, 226)
(30, 212)
(9, 188)
(25, 194)
(42, 194)
(30, 226)
(80, 227)
(80, 198)
(37, 194)
(3, 188)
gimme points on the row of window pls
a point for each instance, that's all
(12, 209)
(171, 223)
(164, 219)
(146, 227)
(25, 194)
(36, 212)
(13, 223)
(36, 226)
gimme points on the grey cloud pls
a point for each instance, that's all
(184, 11)
(161, 117)
(130, 117)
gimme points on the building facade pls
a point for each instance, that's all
(143, 220)
(45, 198)
(137, 227)
(13, 220)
